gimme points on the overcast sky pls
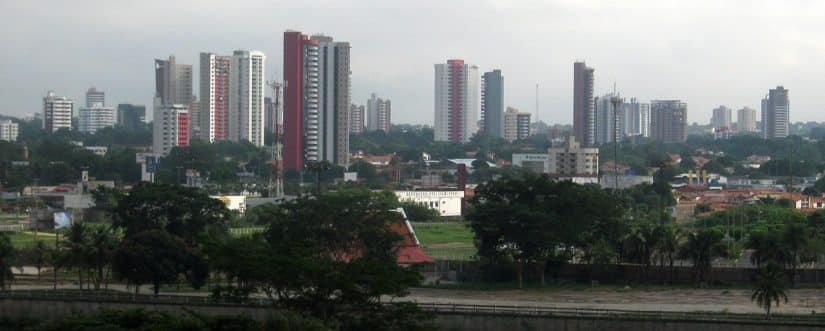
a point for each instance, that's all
(706, 53)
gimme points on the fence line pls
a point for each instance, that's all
(15, 227)
(444, 308)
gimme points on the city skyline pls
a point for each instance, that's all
(675, 65)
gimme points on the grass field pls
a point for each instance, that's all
(23, 240)
(446, 241)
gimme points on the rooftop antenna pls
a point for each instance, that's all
(616, 101)
(537, 105)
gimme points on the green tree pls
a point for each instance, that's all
(766, 243)
(668, 246)
(417, 212)
(324, 255)
(103, 241)
(183, 212)
(701, 247)
(770, 287)
(41, 256)
(534, 219)
(641, 241)
(794, 242)
(6, 261)
(77, 250)
(156, 257)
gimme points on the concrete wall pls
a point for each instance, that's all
(47, 309)
(56, 308)
(469, 271)
(479, 322)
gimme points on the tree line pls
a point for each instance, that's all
(330, 257)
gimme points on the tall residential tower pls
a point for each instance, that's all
(214, 96)
(668, 121)
(776, 113)
(173, 82)
(317, 98)
(746, 120)
(57, 112)
(456, 101)
(583, 113)
(246, 97)
(378, 114)
(492, 103)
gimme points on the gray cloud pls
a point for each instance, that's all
(704, 52)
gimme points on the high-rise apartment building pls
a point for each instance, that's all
(746, 120)
(246, 97)
(635, 118)
(214, 96)
(776, 112)
(583, 112)
(296, 47)
(170, 128)
(195, 118)
(57, 112)
(173, 82)
(379, 112)
(456, 101)
(573, 160)
(604, 120)
(356, 119)
(516, 125)
(492, 103)
(317, 99)
(668, 121)
(91, 119)
(9, 130)
(721, 118)
(93, 96)
(131, 117)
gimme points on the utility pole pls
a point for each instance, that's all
(277, 143)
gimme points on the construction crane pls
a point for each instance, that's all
(276, 180)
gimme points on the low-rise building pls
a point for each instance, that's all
(537, 163)
(95, 117)
(572, 160)
(9, 130)
(447, 203)
(624, 181)
(98, 150)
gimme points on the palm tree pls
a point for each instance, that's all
(102, 243)
(701, 247)
(770, 287)
(6, 260)
(641, 241)
(668, 246)
(794, 241)
(41, 252)
(76, 247)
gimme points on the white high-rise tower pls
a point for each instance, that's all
(246, 97)
(457, 100)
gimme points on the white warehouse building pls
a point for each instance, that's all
(447, 203)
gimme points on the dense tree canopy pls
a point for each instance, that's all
(533, 219)
(324, 254)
